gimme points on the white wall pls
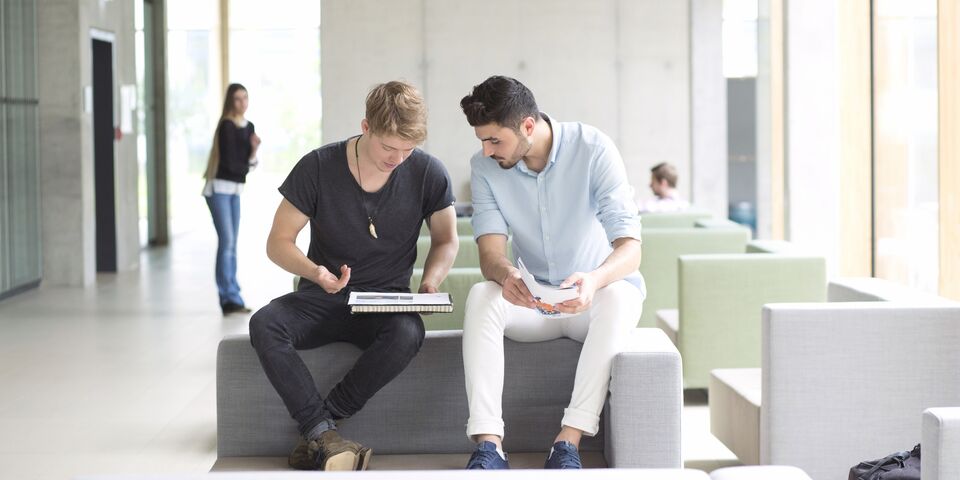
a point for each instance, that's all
(66, 138)
(622, 66)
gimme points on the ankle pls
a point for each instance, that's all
(494, 439)
(570, 435)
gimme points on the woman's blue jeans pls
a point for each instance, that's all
(225, 209)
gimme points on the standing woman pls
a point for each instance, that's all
(233, 154)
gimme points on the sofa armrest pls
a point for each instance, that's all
(646, 398)
(941, 444)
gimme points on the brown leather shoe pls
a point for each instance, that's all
(329, 453)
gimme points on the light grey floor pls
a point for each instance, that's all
(119, 377)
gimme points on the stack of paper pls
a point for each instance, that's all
(377, 302)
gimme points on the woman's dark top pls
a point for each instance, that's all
(235, 151)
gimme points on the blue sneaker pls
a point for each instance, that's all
(563, 455)
(486, 457)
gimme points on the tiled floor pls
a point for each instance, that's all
(119, 377)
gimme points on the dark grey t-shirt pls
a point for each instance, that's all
(322, 187)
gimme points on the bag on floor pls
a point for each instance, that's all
(899, 466)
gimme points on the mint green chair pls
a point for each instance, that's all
(467, 255)
(661, 249)
(463, 228)
(716, 223)
(721, 297)
(682, 219)
(771, 246)
(458, 284)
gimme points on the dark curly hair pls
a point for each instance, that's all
(501, 100)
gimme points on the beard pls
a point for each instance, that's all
(523, 148)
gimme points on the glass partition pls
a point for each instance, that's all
(19, 178)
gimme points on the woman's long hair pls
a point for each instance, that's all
(213, 161)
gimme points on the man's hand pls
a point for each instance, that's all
(329, 282)
(515, 291)
(587, 286)
(427, 288)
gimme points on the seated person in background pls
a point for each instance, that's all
(663, 182)
(365, 199)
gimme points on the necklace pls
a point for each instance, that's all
(363, 197)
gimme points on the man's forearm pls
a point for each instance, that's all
(439, 260)
(496, 268)
(622, 261)
(289, 257)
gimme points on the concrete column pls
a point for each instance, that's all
(66, 171)
(707, 182)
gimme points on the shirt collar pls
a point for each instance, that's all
(554, 148)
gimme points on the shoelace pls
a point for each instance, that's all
(567, 459)
(480, 458)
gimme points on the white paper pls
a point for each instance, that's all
(547, 296)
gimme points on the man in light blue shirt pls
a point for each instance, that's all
(560, 190)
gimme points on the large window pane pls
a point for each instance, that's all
(193, 104)
(905, 142)
(281, 70)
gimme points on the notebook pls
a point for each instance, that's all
(379, 302)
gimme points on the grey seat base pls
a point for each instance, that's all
(435, 461)
(424, 409)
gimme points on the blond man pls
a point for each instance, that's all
(365, 199)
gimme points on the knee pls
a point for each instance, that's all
(406, 333)
(266, 327)
(484, 291)
(482, 297)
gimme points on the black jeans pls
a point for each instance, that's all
(310, 318)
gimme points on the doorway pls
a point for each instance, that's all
(103, 154)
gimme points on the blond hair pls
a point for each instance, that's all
(397, 109)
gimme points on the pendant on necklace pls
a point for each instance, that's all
(373, 230)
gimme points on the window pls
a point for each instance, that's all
(905, 142)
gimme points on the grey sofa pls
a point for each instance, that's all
(420, 416)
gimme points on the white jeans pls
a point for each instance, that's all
(602, 329)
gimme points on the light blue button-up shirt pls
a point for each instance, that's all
(564, 218)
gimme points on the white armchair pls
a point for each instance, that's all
(845, 382)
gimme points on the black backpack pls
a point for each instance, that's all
(899, 466)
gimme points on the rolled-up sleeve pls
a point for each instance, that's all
(616, 208)
(487, 217)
